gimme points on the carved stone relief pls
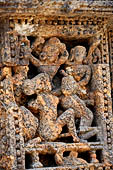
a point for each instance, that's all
(55, 95)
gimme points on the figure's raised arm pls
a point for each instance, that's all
(36, 62)
(87, 76)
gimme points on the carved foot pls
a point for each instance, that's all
(93, 157)
(83, 141)
(84, 129)
(58, 159)
(87, 132)
(94, 160)
(37, 165)
(76, 139)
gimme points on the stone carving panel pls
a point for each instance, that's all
(55, 102)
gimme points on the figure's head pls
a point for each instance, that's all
(68, 85)
(21, 69)
(51, 50)
(39, 83)
(78, 54)
(42, 82)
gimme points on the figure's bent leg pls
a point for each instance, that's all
(88, 134)
(87, 119)
(86, 131)
(85, 114)
(67, 118)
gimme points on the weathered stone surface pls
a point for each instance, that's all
(56, 84)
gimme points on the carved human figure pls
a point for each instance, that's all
(70, 99)
(50, 63)
(18, 123)
(17, 78)
(29, 121)
(80, 72)
(74, 88)
(45, 104)
(52, 55)
(17, 60)
(94, 54)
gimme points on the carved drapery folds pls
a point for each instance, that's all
(55, 95)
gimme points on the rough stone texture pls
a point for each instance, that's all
(56, 85)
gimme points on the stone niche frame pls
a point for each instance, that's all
(67, 29)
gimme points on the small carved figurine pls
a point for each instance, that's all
(94, 53)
